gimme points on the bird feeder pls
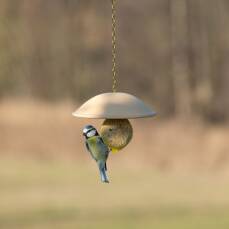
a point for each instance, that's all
(115, 107)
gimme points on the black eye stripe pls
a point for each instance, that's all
(89, 131)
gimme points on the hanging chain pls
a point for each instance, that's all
(114, 65)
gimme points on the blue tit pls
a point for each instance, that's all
(98, 150)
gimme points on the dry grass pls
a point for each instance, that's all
(173, 175)
(69, 195)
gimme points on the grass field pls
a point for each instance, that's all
(69, 195)
(173, 175)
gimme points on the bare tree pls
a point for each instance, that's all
(180, 65)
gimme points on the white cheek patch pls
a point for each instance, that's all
(91, 133)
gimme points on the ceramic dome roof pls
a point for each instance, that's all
(116, 105)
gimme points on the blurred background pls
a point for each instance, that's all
(173, 54)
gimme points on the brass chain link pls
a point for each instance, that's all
(114, 37)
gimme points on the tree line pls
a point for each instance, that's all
(172, 53)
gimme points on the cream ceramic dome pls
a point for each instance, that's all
(114, 106)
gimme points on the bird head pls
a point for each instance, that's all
(89, 131)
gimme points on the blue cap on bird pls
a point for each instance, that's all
(88, 128)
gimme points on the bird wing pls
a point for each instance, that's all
(108, 148)
(88, 148)
(104, 146)
(105, 166)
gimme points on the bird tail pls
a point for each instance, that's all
(103, 175)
